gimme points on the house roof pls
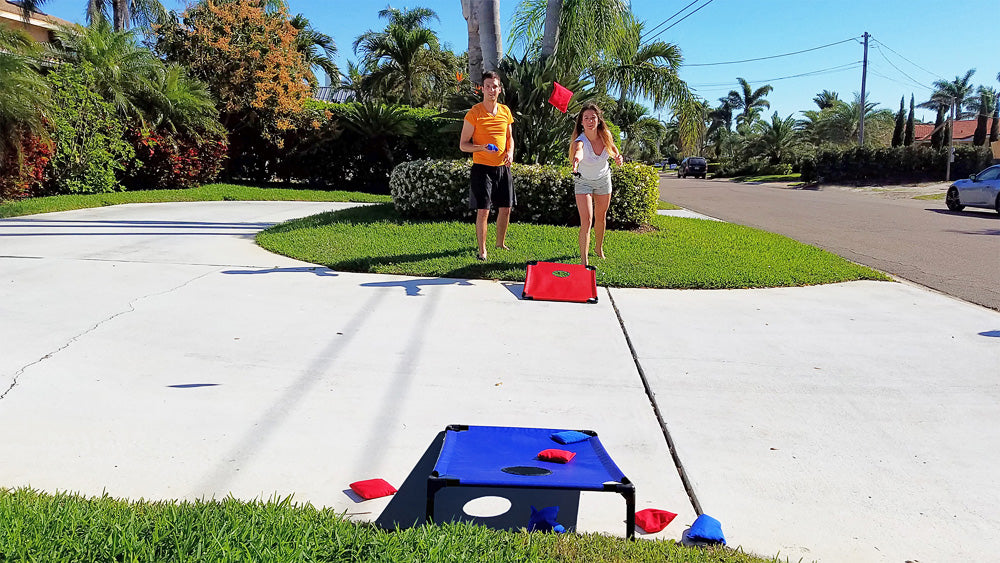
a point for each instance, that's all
(12, 11)
(965, 129)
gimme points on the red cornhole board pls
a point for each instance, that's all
(549, 281)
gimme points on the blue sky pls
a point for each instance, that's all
(910, 46)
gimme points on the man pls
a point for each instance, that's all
(487, 133)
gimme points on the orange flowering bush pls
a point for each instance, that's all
(246, 54)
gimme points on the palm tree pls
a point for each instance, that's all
(126, 73)
(184, 104)
(122, 12)
(395, 54)
(318, 49)
(841, 124)
(750, 100)
(826, 99)
(574, 31)
(777, 140)
(24, 94)
(950, 94)
(982, 106)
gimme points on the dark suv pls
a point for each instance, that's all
(695, 166)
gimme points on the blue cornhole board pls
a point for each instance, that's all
(477, 456)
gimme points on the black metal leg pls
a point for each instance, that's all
(433, 486)
(629, 513)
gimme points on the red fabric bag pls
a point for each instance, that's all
(558, 456)
(560, 97)
(372, 488)
(652, 520)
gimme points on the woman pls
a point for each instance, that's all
(589, 152)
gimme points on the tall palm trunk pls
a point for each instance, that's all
(470, 11)
(489, 33)
(550, 37)
(120, 13)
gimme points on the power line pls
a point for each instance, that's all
(830, 70)
(774, 56)
(670, 18)
(913, 80)
(680, 20)
(934, 74)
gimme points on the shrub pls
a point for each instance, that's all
(90, 149)
(914, 164)
(22, 172)
(333, 147)
(439, 190)
(169, 160)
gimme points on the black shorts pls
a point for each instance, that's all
(491, 186)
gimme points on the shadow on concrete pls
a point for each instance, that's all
(318, 270)
(516, 289)
(409, 505)
(412, 287)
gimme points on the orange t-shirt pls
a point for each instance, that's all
(489, 129)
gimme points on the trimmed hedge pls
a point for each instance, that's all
(439, 190)
(913, 163)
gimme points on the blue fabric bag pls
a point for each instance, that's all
(706, 529)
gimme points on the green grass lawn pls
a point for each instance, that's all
(930, 196)
(209, 192)
(64, 527)
(677, 253)
(769, 178)
(664, 205)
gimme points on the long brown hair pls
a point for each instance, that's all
(602, 129)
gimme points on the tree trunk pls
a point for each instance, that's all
(489, 33)
(469, 10)
(119, 9)
(550, 37)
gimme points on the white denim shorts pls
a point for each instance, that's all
(600, 186)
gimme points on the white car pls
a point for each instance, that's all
(980, 190)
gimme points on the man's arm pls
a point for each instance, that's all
(465, 142)
(508, 157)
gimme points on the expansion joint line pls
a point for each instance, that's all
(656, 411)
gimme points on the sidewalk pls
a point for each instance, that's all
(153, 351)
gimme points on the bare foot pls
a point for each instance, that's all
(481, 256)
(600, 254)
(503, 246)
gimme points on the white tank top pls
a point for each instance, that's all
(593, 166)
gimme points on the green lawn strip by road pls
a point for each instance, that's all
(208, 192)
(682, 253)
(67, 527)
(660, 204)
(769, 178)
(930, 196)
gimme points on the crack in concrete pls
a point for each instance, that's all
(681, 472)
(68, 343)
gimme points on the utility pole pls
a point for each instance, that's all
(864, 104)
(951, 140)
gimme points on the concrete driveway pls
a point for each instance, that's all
(154, 351)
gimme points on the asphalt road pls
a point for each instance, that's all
(916, 240)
